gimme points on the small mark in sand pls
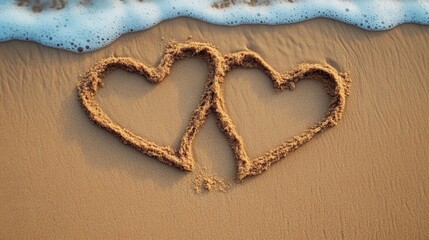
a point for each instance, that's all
(204, 181)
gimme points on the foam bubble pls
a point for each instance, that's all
(85, 27)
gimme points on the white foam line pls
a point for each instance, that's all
(81, 28)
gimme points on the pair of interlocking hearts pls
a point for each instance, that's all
(336, 85)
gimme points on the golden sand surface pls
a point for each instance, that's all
(205, 181)
(64, 177)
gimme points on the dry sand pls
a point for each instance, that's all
(64, 177)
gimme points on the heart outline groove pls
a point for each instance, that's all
(336, 84)
(93, 80)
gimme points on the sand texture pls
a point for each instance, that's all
(205, 181)
(64, 177)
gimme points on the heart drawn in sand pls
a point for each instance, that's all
(336, 85)
(93, 80)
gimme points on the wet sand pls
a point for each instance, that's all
(64, 177)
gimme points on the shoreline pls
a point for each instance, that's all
(72, 28)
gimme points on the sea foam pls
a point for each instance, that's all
(82, 27)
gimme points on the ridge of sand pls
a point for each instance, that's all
(336, 85)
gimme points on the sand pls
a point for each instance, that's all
(205, 181)
(62, 176)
